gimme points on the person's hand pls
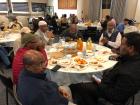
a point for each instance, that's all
(64, 93)
(104, 41)
(96, 79)
(50, 34)
(113, 57)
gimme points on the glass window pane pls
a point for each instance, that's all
(3, 6)
(22, 6)
(38, 7)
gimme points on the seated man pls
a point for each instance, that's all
(43, 32)
(121, 26)
(71, 32)
(15, 24)
(118, 84)
(110, 38)
(33, 86)
(28, 41)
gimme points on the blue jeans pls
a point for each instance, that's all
(3, 56)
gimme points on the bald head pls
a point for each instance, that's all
(110, 25)
(73, 28)
(34, 61)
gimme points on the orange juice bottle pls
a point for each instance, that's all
(80, 45)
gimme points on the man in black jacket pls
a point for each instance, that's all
(119, 83)
(33, 86)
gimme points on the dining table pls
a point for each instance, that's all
(10, 39)
(77, 66)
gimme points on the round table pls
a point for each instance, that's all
(70, 75)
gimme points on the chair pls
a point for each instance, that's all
(10, 88)
(133, 100)
(91, 32)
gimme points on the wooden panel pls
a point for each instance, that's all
(67, 4)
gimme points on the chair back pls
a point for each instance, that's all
(7, 81)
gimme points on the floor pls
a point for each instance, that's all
(7, 72)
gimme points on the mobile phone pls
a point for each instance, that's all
(55, 68)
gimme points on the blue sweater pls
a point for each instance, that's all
(35, 89)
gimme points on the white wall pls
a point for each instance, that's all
(130, 8)
(137, 15)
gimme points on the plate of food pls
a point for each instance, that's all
(64, 62)
(81, 62)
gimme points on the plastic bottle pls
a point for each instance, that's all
(89, 45)
(80, 45)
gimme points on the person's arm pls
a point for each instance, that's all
(49, 98)
(100, 40)
(117, 43)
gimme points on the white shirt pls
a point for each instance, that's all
(129, 29)
(115, 44)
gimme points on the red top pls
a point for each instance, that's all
(18, 62)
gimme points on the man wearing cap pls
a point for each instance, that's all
(43, 32)
(28, 41)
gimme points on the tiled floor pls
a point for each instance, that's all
(2, 89)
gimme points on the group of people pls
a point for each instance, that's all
(117, 85)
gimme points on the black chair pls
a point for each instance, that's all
(91, 32)
(133, 100)
(10, 89)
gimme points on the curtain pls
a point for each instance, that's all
(94, 9)
(118, 9)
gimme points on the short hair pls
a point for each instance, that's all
(126, 19)
(30, 57)
(133, 39)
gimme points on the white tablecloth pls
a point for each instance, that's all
(10, 39)
(66, 76)
(82, 26)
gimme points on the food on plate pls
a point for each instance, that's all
(54, 62)
(100, 65)
(94, 62)
(80, 61)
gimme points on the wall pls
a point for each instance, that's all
(22, 16)
(130, 8)
(105, 12)
(137, 15)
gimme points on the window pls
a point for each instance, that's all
(38, 7)
(106, 4)
(3, 6)
(20, 6)
(67, 4)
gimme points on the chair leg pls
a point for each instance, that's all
(6, 96)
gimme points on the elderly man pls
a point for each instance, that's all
(119, 83)
(15, 24)
(71, 32)
(33, 86)
(111, 38)
(43, 32)
(28, 41)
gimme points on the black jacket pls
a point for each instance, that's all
(122, 81)
(35, 89)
